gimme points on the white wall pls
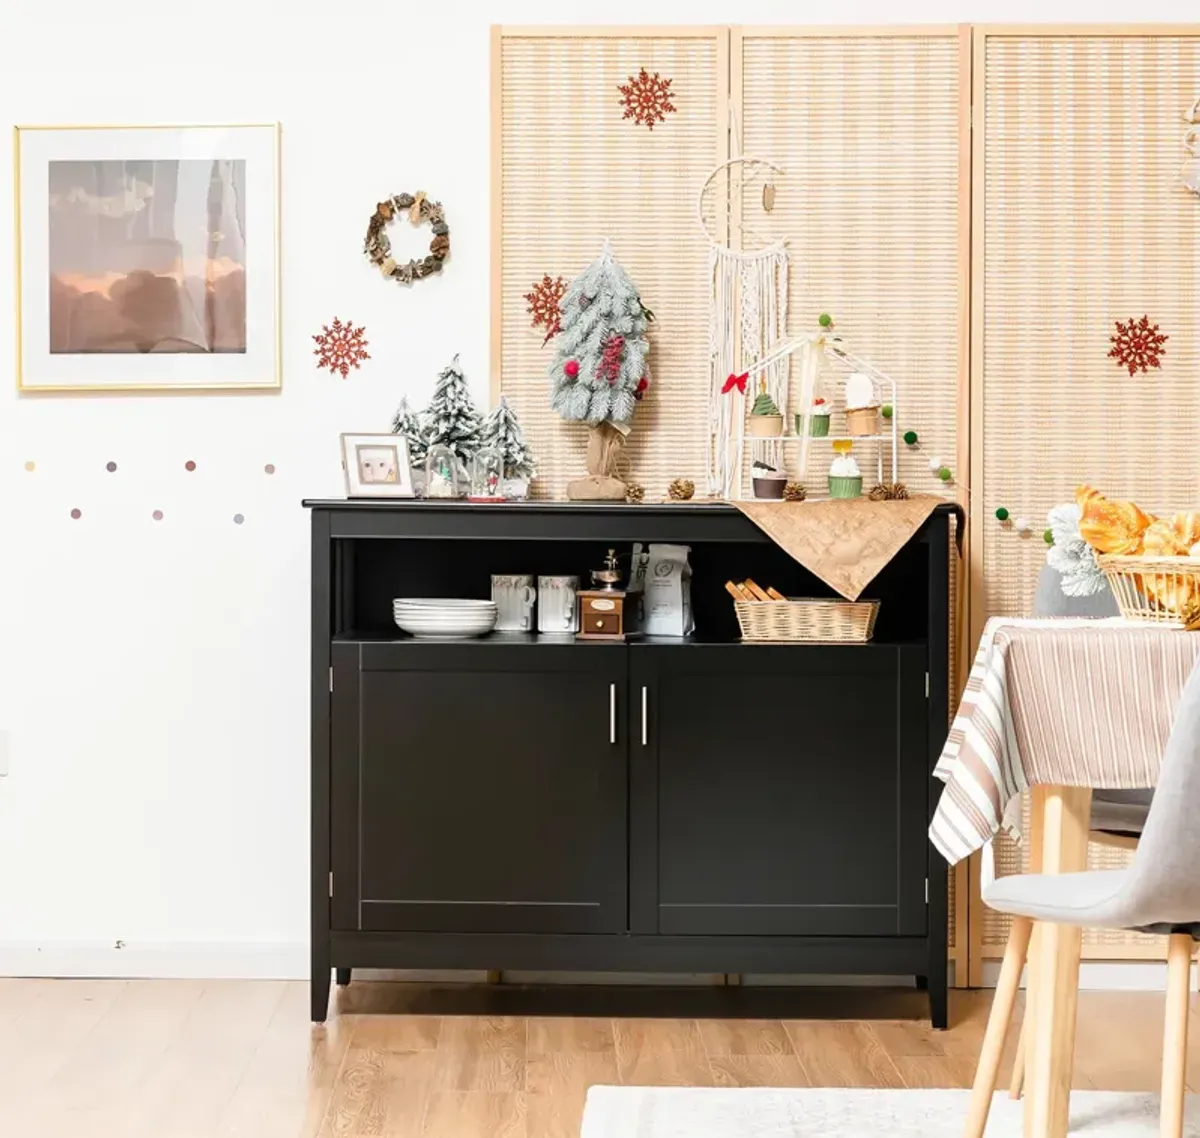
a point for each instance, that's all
(153, 674)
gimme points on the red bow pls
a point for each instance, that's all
(738, 381)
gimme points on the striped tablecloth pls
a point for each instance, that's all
(1066, 702)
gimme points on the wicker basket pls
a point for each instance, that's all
(810, 621)
(1153, 589)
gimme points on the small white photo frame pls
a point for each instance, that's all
(377, 466)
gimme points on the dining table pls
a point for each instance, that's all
(1056, 708)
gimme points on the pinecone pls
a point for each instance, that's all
(634, 493)
(681, 489)
(795, 492)
(888, 492)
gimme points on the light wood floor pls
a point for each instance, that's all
(183, 1059)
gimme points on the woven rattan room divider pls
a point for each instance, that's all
(871, 127)
(1035, 170)
(1079, 220)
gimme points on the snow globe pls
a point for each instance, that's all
(441, 472)
(487, 475)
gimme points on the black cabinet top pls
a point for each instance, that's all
(579, 521)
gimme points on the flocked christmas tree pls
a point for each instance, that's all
(600, 372)
(451, 418)
(407, 422)
(502, 430)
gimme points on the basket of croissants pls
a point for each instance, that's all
(1152, 564)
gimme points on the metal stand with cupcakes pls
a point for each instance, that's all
(868, 415)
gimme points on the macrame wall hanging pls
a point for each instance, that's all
(748, 276)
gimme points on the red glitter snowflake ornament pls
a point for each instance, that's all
(1138, 345)
(544, 305)
(646, 98)
(340, 347)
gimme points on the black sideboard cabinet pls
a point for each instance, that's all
(697, 805)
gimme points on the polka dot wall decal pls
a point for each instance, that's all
(77, 514)
(269, 468)
(110, 467)
(31, 466)
(238, 519)
(189, 465)
(157, 515)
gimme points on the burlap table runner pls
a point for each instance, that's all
(845, 542)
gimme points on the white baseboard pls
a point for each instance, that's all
(1107, 975)
(204, 960)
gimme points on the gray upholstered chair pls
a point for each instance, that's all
(1159, 892)
(1118, 816)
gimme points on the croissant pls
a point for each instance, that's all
(1111, 526)
(1172, 537)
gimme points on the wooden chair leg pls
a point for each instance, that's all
(997, 1027)
(1175, 1031)
(1018, 1071)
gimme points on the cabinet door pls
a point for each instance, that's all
(480, 787)
(778, 790)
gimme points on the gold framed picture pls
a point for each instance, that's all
(147, 257)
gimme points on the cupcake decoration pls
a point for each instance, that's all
(862, 405)
(818, 418)
(767, 480)
(845, 478)
(765, 420)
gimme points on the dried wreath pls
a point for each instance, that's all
(379, 249)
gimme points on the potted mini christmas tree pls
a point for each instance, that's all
(407, 423)
(451, 420)
(600, 372)
(502, 430)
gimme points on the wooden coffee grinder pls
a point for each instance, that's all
(602, 607)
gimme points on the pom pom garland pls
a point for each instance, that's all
(910, 437)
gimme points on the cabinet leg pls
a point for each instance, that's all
(343, 977)
(939, 1006)
(319, 981)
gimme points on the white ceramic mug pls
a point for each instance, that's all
(557, 610)
(513, 595)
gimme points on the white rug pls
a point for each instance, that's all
(761, 1112)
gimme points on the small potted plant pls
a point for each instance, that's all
(766, 422)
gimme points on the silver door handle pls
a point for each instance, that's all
(643, 715)
(612, 713)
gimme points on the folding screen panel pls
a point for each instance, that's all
(1080, 221)
(870, 129)
(866, 127)
(570, 171)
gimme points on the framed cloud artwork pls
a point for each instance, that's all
(147, 257)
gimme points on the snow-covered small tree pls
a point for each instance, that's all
(600, 371)
(502, 430)
(451, 418)
(407, 422)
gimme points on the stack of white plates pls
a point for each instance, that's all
(442, 618)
